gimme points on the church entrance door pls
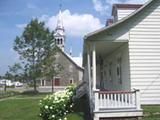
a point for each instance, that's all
(57, 82)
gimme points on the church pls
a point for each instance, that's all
(72, 72)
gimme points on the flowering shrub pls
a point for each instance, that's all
(57, 105)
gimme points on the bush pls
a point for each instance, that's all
(57, 105)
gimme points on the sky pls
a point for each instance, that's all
(79, 18)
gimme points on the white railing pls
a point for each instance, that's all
(110, 100)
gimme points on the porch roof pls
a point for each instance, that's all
(105, 48)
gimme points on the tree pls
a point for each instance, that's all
(34, 47)
(29, 47)
(51, 69)
(15, 72)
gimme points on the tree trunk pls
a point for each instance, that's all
(35, 87)
(52, 86)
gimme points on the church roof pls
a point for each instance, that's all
(77, 60)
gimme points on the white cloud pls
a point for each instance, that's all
(104, 6)
(99, 7)
(136, 1)
(75, 24)
(21, 26)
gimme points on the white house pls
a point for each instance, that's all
(123, 58)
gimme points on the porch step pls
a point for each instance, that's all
(81, 90)
(119, 109)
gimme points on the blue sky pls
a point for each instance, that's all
(79, 18)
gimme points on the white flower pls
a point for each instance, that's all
(46, 107)
(60, 119)
(65, 118)
(71, 105)
(53, 116)
(51, 107)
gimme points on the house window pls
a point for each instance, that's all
(119, 69)
(110, 71)
(71, 81)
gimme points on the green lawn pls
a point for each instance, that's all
(25, 107)
(151, 112)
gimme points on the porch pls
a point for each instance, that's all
(117, 104)
(110, 87)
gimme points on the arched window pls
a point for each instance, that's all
(61, 41)
(58, 41)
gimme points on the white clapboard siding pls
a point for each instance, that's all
(123, 13)
(144, 51)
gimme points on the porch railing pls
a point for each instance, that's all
(114, 100)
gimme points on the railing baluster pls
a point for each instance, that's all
(116, 99)
(129, 99)
(126, 100)
(105, 100)
(108, 100)
(100, 100)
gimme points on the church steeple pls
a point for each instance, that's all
(60, 32)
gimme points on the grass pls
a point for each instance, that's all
(25, 107)
(151, 112)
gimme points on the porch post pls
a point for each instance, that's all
(89, 70)
(94, 65)
(137, 95)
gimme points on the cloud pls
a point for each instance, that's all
(99, 7)
(136, 1)
(75, 24)
(21, 26)
(104, 6)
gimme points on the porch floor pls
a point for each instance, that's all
(123, 113)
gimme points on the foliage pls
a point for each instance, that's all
(15, 72)
(36, 48)
(57, 105)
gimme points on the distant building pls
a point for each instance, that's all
(72, 71)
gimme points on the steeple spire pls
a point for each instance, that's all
(60, 21)
(60, 31)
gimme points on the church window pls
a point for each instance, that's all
(61, 41)
(71, 81)
(58, 42)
